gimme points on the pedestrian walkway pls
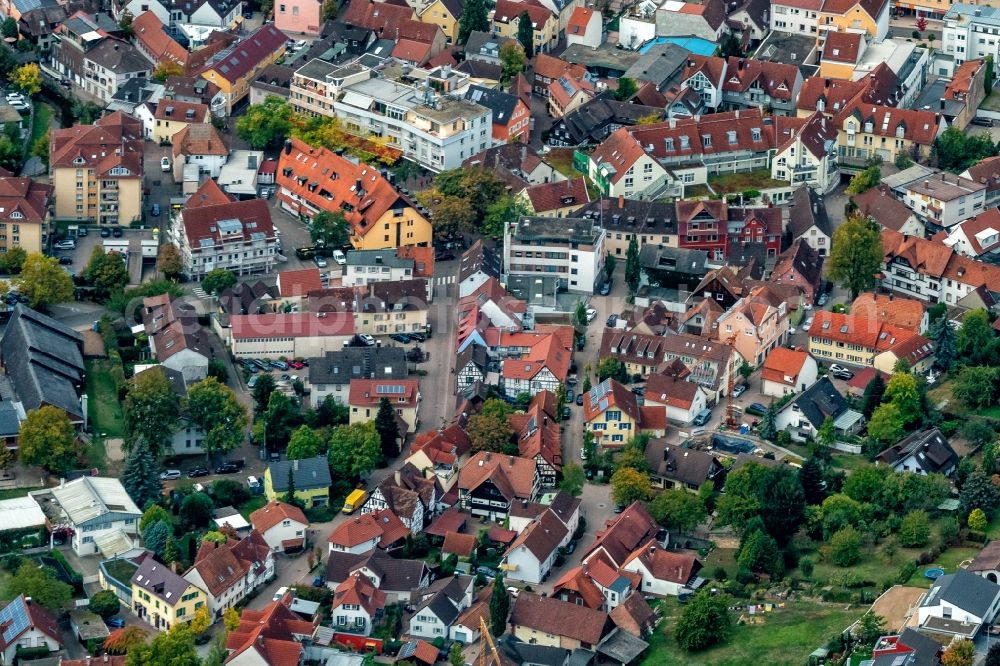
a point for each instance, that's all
(199, 292)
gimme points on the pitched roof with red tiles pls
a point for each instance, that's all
(879, 204)
(291, 325)
(783, 365)
(918, 126)
(541, 537)
(835, 94)
(559, 618)
(670, 391)
(383, 525)
(633, 615)
(38, 618)
(236, 61)
(189, 112)
(273, 632)
(775, 78)
(410, 50)
(26, 197)
(870, 334)
(273, 513)
(547, 352)
(329, 181)
(626, 532)
(221, 566)
(201, 224)
(299, 283)
(375, 15)
(610, 394)
(670, 565)
(579, 20)
(546, 197)
(402, 393)
(713, 68)
(153, 39)
(906, 313)
(423, 259)
(198, 139)
(113, 142)
(511, 10)
(551, 68)
(358, 590)
(982, 224)
(873, 8)
(459, 544)
(513, 476)
(209, 194)
(576, 580)
(538, 432)
(842, 46)
(565, 88)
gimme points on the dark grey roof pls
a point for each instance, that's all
(159, 580)
(528, 653)
(378, 257)
(340, 367)
(590, 122)
(659, 65)
(43, 359)
(396, 575)
(564, 505)
(308, 474)
(456, 7)
(819, 401)
(10, 424)
(925, 649)
(478, 258)
(500, 103)
(633, 215)
(119, 57)
(475, 354)
(443, 607)
(688, 466)
(480, 69)
(622, 646)
(930, 448)
(339, 565)
(479, 43)
(175, 377)
(674, 259)
(962, 589)
(806, 210)
(133, 91)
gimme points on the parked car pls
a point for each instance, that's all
(197, 472)
(298, 365)
(319, 261)
(155, 210)
(227, 468)
(253, 381)
(67, 244)
(702, 418)
(318, 581)
(487, 572)
(605, 288)
(307, 252)
(570, 395)
(81, 232)
(739, 390)
(279, 594)
(117, 232)
(170, 475)
(366, 339)
(591, 314)
(65, 261)
(612, 320)
(279, 365)
(339, 257)
(164, 164)
(115, 622)
(417, 337)
(444, 256)
(823, 300)
(401, 338)
(105, 232)
(579, 399)
(756, 409)
(840, 372)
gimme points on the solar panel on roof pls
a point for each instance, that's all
(230, 226)
(391, 389)
(17, 615)
(258, 235)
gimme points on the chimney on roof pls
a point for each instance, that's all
(621, 201)
(288, 146)
(942, 103)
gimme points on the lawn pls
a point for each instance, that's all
(561, 160)
(43, 115)
(103, 407)
(11, 493)
(740, 182)
(942, 397)
(121, 570)
(787, 636)
(251, 505)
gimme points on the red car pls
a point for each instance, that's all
(296, 364)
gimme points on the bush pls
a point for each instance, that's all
(719, 573)
(806, 567)
(105, 603)
(915, 530)
(845, 547)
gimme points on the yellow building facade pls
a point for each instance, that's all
(404, 226)
(437, 13)
(80, 195)
(163, 614)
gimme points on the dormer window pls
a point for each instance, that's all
(900, 131)
(868, 127)
(731, 136)
(669, 141)
(755, 133)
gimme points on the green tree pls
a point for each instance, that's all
(902, 391)
(355, 450)
(27, 78)
(450, 213)
(156, 535)
(169, 261)
(990, 78)
(629, 485)
(785, 504)
(956, 151)
(330, 9)
(154, 514)
(512, 61)
(959, 653)
(490, 432)
(218, 280)
(9, 28)
(975, 340)
(730, 46)
(526, 34)
(196, 510)
(152, 410)
(811, 480)
(632, 269)
(887, 424)
(279, 418)
(677, 510)
(503, 211)
(759, 553)
(14, 258)
(827, 434)
(943, 335)
(106, 272)
(977, 386)
(845, 546)
(993, 656)
(105, 603)
(305, 443)
(262, 391)
(44, 281)
(978, 492)
(388, 429)
(47, 439)
(41, 584)
(626, 90)
(864, 180)
(475, 16)
(704, 621)
(213, 407)
(872, 397)
(171, 648)
(979, 434)
(768, 428)
(977, 521)
(573, 479)
(331, 413)
(838, 511)
(870, 628)
(915, 530)
(166, 69)
(455, 657)
(499, 606)
(330, 230)
(856, 255)
(265, 125)
(140, 476)
(612, 368)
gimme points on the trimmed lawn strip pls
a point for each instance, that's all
(787, 636)
(103, 407)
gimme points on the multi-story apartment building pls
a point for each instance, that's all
(97, 170)
(809, 157)
(24, 213)
(311, 180)
(86, 50)
(971, 31)
(435, 131)
(854, 339)
(933, 272)
(743, 83)
(866, 131)
(162, 598)
(942, 200)
(235, 68)
(223, 14)
(544, 23)
(870, 17)
(237, 236)
(798, 17)
(570, 248)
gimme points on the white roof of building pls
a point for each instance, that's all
(236, 521)
(893, 52)
(112, 544)
(20, 512)
(91, 496)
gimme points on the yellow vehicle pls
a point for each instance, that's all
(355, 500)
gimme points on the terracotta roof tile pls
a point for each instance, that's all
(513, 476)
(275, 512)
(459, 544)
(557, 195)
(890, 309)
(559, 618)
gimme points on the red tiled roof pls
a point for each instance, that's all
(412, 51)
(579, 20)
(198, 139)
(300, 282)
(202, 223)
(179, 111)
(551, 68)
(870, 334)
(674, 566)
(560, 618)
(153, 39)
(114, 141)
(402, 393)
(291, 325)
(358, 590)
(842, 46)
(275, 512)
(775, 78)
(24, 196)
(452, 520)
(511, 10)
(209, 194)
(988, 220)
(459, 544)
(423, 259)
(426, 653)
(631, 528)
(578, 581)
(783, 365)
(538, 430)
(872, 7)
(383, 525)
(906, 313)
(546, 197)
(918, 126)
(547, 352)
(513, 476)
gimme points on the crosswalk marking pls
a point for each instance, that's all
(199, 292)
(447, 279)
